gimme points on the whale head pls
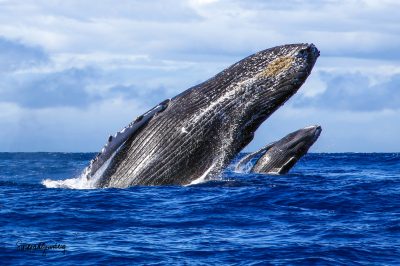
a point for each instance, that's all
(248, 92)
(297, 143)
(269, 79)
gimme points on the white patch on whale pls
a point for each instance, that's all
(310, 127)
(183, 130)
(202, 178)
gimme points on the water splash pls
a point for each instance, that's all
(243, 168)
(82, 181)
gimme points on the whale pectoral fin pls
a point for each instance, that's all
(243, 163)
(114, 142)
(287, 166)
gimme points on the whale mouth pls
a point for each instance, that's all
(313, 52)
(318, 131)
(313, 133)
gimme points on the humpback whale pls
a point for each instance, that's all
(280, 156)
(194, 135)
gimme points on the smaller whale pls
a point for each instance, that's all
(280, 156)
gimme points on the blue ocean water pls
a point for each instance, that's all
(332, 209)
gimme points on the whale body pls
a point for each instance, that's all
(194, 135)
(280, 156)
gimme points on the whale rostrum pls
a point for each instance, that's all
(198, 132)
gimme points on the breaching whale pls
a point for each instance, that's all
(198, 132)
(280, 156)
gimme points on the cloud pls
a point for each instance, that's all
(75, 87)
(342, 130)
(73, 61)
(156, 10)
(65, 88)
(16, 55)
(148, 97)
(354, 91)
(64, 128)
(191, 29)
(285, 5)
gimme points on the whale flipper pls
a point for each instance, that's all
(115, 141)
(243, 164)
(286, 167)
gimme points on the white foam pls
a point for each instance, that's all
(274, 172)
(240, 168)
(80, 182)
(73, 183)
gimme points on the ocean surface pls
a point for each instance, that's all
(332, 209)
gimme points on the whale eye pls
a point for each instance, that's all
(138, 119)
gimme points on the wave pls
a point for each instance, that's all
(80, 182)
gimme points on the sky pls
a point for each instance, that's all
(74, 72)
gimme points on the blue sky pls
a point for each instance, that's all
(73, 72)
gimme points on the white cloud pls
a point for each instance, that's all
(15, 55)
(342, 131)
(65, 128)
(355, 92)
(138, 52)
